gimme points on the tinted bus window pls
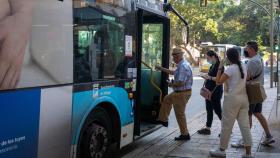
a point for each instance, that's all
(99, 43)
(152, 44)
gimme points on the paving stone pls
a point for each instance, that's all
(267, 155)
(200, 145)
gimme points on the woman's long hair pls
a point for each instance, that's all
(211, 53)
(234, 57)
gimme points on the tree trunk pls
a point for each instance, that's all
(191, 59)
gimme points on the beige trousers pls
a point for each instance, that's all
(179, 101)
(235, 107)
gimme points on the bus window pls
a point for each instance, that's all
(119, 3)
(152, 44)
(98, 46)
(152, 38)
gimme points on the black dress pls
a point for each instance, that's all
(215, 103)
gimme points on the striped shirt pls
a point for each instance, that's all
(183, 73)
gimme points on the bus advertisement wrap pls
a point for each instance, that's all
(31, 124)
(71, 80)
(19, 122)
(37, 44)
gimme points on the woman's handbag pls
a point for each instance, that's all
(255, 91)
(206, 93)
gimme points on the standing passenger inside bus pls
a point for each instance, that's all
(210, 83)
(181, 85)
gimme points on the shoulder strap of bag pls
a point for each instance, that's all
(214, 89)
(204, 83)
(253, 78)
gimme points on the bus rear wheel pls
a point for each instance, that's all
(97, 136)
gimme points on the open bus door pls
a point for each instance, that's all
(153, 49)
(153, 45)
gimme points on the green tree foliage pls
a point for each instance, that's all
(222, 21)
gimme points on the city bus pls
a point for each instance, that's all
(220, 49)
(77, 86)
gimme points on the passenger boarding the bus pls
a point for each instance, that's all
(182, 86)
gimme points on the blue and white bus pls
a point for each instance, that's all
(77, 86)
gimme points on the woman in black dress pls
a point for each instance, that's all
(210, 83)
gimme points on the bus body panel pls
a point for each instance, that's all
(55, 122)
(127, 134)
(85, 102)
(36, 123)
(19, 122)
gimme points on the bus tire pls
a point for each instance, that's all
(97, 136)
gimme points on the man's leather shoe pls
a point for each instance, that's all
(165, 124)
(183, 137)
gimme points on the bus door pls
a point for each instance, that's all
(153, 49)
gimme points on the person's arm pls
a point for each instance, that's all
(216, 69)
(213, 71)
(170, 72)
(207, 77)
(249, 71)
(212, 78)
(221, 77)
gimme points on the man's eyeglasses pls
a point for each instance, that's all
(175, 54)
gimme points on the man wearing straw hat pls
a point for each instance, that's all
(182, 84)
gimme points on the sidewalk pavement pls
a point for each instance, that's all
(274, 125)
(199, 145)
